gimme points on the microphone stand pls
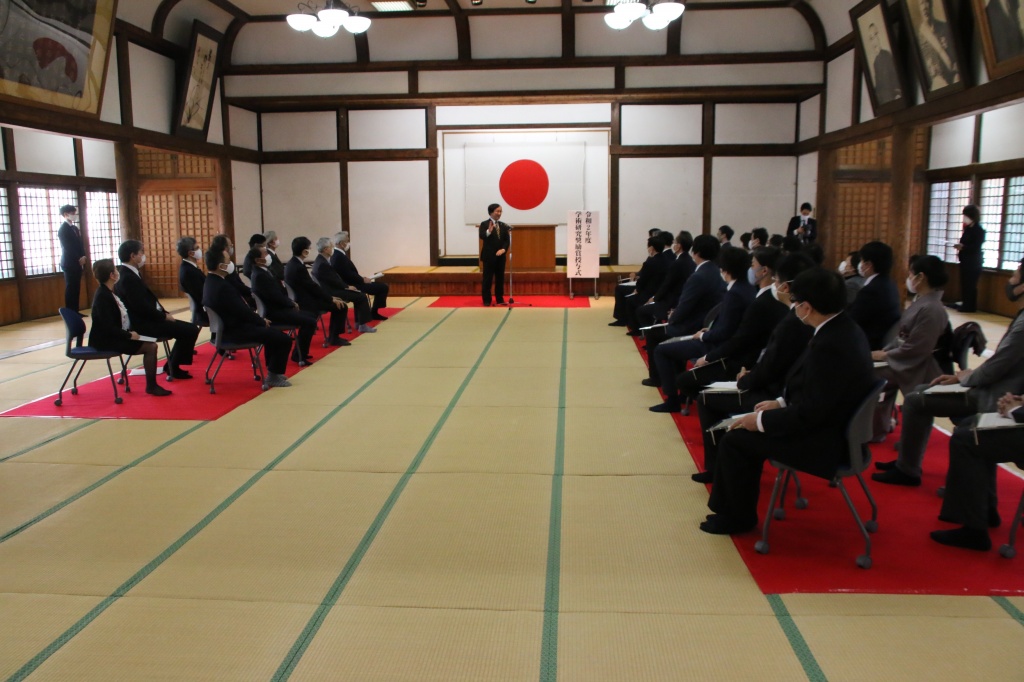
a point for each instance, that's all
(511, 301)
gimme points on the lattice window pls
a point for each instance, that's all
(945, 217)
(195, 166)
(154, 163)
(39, 208)
(6, 245)
(991, 206)
(1013, 224)
(874, 154)
(104, 222)
(862, 214)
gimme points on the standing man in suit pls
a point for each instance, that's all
(149, 318)
(349, 274)
(803, 226)
(72, 258)
(191, 278)
(275, 266)
(278, 308)
(241, 323)
(310, 296)
(805, 427)
(876, 308)
(968, 252)
(496, 242)
(671, 287)
(333, 284)
(1000, 374)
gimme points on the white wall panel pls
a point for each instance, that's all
(110, 109)
(952, 143)
(524, 114)
(389, 83)
(277, 43)
(406, 39)
(389, 209)
(98, 156)
(510, 80)
(666, 193)
(138, 12)
(595, 39)
(750, 191)
(178, 28)
(216, 132)
(244, 130)
(810, 117)
(744, 31)
(645, 124)
(492, 37)
(722, 74)
(245, 191)
(806, 183)
(755, 123)
(300, 131)
(388, 129)
(152, 89)
(301, 199)
(839, 104)
(835, 15)
(39, 152)
(1002, 136)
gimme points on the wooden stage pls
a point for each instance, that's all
(464, 280)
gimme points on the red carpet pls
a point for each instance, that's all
(521, 302)
(191, 399)
(813, 550)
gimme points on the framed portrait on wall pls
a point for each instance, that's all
(1001, 23)
(55, 54)
(879, 56)
(195, 99)
(934, 46)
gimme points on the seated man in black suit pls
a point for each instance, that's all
(805, 427)
(758, 238)
(970, 497)
(631, 295)
(257, 239)
(275, 266)
(765, 378)
(278, 308)
(308, 294)
(241, 324)
(876, 307)
(191, 277)
(329, 280)
(349, 274)
(149, 318)
(702, 292)
(724, 235)
(223, 241)
(679, 270)
(671, 357)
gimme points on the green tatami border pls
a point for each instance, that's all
(49, 440)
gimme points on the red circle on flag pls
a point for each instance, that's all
(524, 184)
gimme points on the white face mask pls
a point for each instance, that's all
(72, 219)
(229, 268)
(860, 269)
(804, 318)
(775, 291)
(197, 254)
(910, 284)
(842, 268)
(142, 261)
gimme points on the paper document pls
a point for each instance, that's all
(654, 326)
(147, 339)
(628, 283)
(727, 423)
(994, 420)
(881, 364)
(678, 338)
(722, 387)
(377, 275)
(952, 388)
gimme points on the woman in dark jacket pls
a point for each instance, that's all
(968, 251)
(111, 327)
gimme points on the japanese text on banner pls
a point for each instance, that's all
(584, 257)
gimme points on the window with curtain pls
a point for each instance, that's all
(39, 208)
(6, 245)
(104, 221)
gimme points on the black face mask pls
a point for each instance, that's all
(1010, 294)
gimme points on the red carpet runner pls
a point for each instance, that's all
(191, 399)
(521, 302)
(813, 550)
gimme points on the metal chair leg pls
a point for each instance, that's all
(74, 383)
(210, 380)
(871, 525)
(1008, 551)
(762, 546)
(60, 393)
(113, 382)
(864, 560)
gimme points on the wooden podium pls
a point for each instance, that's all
(533, 247)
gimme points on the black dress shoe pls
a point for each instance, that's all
(965, 538)
(176, 372)
(718, 524)
(667, 406)
(487, 304)
(703, 477)
(616, 323)
(157, 390)
(634, 332)
(886, 466)
(500, 303)
(650, 382)
(338, 341)
(897, 477)
(378, 316)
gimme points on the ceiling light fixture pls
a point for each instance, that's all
(325, 21)
(655, 17)
(392, 6)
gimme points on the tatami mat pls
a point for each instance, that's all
(22, 433)
(31, 621)
(108, 442)
(28, 489)
(623, 440)
(495, 440)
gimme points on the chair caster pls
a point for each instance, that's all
(871, 526)
(761, 547)
(1007, 551)
(212, 391)
(58, 402)
(127, 389)
(120, 381)
(255, 377)
(779, 514)
(685, 411)
(265, 387)
(118, 400)
(864, 561)
(801, 503)
(941, 491)
(74, 391)
(324, 344)
(208, 382)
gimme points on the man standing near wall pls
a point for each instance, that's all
(72, 258)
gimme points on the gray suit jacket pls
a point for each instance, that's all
(1003, 372)
(910, 354)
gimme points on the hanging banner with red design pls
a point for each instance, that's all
(583, 260)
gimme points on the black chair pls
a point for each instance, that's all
(858, 435)
(319, 317)
(289, 329)
(74, 327)
(217, 327)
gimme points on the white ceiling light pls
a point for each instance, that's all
(325, 30)
(302, 22)
(326, 21)
(392, 6)
(334, 16)
(617, 21)
(357, 24)
(631, 10)
(655, 22)
(670, 10)
(654, 17)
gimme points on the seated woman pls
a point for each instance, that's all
(909, 357)
(111, 328)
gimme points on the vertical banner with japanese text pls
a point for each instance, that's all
(583, 260)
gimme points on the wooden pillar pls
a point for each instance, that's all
(226, 199)
(127, 167)
(707, 143)
(901, 203)
(825, 205)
